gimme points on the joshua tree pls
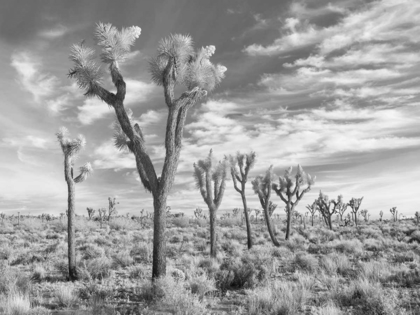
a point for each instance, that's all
(381, 214)
(313, 208)
(354, 204)
(262, 187)
(328, 207)
(2, 216)
(417, 216)
(240, 165)
(342, 207)
(112, 210)
(198, 212)
(394, 213)
(70, 150)
(91, 213)
(102, 215)
(365, 214)
(211, 182)
(289, 189)
(176, 63)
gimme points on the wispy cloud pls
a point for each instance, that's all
(54, 32)
(31, 78)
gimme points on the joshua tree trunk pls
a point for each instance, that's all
(73, 276)
(213, 250)
(248, 224)
(269, 225)
(289, 220)
(159, 247)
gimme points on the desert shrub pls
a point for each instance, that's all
(373, 244)
(280, 298)
(119, 224)
(141, 252)
(353, 246)
(296, 243)
(181, 222)
(403, 257)
(136, 272)
(101, 241)
(65, 295)
(201, 284)
(209, 265)
(99, 268)
(230, 222)
(338, 264)
(232, 247)
(406, 278)
(122, 259)
(17, 303)
(38, 273)
(366, 298)
(415, 236)
(306, 262)
(235, 274)
(329, 309)
(173, 294)
(90, 251)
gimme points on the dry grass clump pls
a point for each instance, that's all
(353, 246)
(306, 262)
(175, 295)
(99, 268)
(279, 297)
(367, 298)
(17, 303)
(65, 295)
(182, 222)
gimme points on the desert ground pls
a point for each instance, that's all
(373, 268)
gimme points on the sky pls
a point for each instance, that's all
(330, 85)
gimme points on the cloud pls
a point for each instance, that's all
(377, 21)
(31, 78)
(91, 110)
(94, 109)
(107, 156)
(55, 32)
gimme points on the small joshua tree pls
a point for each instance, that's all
(176, 63)
(240, 165)
(417, 216)
(91, 213)
(342, 207)
(210, 180)
(112, 209)
(381, 214)
(289, 191)
(198, 213)
(328, 207)
(2, 216)
(70, 150)
(365, 214)
(394, 213)
(354, 204)
(313, 208)
(262, 186)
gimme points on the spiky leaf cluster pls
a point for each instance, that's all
(70, 147)
(193, 69)
(115, 44)
(85, 171)
(121, 141)
(86, 71)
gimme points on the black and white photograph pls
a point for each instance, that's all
(200, 157)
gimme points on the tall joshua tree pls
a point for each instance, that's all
(262, 186)
(211, 180)
(354, 204)
(70, 150)
(290, 191)
(240, 165)
(175, 63)
(342, 207)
